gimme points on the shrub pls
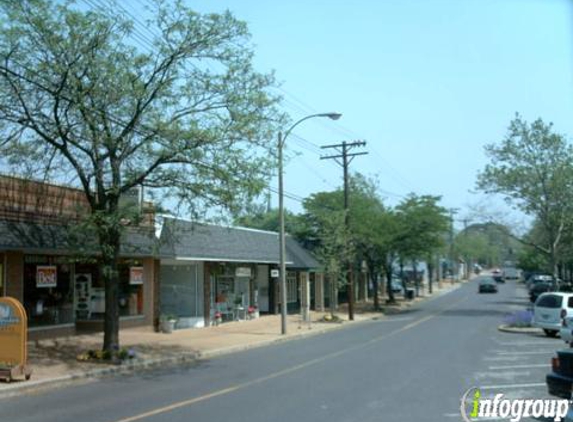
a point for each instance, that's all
(520, 319)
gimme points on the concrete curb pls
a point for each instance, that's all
(130, 367)
(517, 330)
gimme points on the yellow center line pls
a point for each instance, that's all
(286, 371)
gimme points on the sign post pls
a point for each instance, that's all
(14, 340)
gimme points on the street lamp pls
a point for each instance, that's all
(283, 285)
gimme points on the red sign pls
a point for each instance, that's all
(136, 275)
(46, 276)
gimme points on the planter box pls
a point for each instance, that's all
(168, 326)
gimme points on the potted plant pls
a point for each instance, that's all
(253, 312)
(218, 318)
(168, 323)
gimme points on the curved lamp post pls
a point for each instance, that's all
(283, 285)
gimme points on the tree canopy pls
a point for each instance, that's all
(189, 119)
(532, 167)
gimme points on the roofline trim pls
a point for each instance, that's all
(210, 259)
(188, 220)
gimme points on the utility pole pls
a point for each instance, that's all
(468, 258)
(453, 266)
(343, 152)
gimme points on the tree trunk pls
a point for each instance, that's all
(374, 278)
(430, 275)
(401, 275)
(333, 299)
(388, 270)
(416, 281)
(110, 241)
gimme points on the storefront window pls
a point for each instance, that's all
(181, 293)
(48, 291)
(232, 290)
(130, 288)
(90, 290)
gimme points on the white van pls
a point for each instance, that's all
(549, 310)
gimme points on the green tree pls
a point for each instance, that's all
(422, 223)
(190, 119)
(533, 169)
(323, 230)
(258, 217)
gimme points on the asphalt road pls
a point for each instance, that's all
(411, 367)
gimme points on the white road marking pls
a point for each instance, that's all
(526, 343)
(536, 352)
(501, 368)
(509, 386)
(508, 375)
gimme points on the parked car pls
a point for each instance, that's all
(560, 380)
(498, 276)
(396, 286)
(537, 278)
(566, 331)
(487, 285)
(539, 288)
(510, 273)
(549, 311)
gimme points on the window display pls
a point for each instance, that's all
(48, 291)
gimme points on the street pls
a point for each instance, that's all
(408, 367)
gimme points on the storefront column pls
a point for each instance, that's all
(156, 293)
(305, 296)
(319, 292)
(15, 275)
(207, 294)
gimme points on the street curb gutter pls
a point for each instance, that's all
(131, 367)
(517, 330)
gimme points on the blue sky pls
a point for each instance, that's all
(425, 83)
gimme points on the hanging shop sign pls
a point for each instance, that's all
(243, 272)
(136, 275)
(275, 273)
(13, 338)
(46, 276)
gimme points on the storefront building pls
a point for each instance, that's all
(209, 271)
(53, 269)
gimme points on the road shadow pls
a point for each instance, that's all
(524, 303)
(473, 313)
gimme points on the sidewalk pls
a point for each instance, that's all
(54, 361)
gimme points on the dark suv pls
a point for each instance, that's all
(560, 380)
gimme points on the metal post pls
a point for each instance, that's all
(282, 269)
(282, 245)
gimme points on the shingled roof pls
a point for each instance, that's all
(42, 238)
(300, 257)
(181, 239)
